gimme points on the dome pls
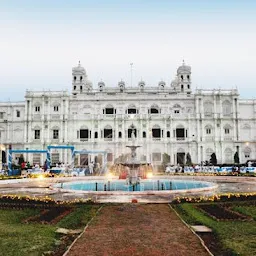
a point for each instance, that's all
(79, 69)
(141, 83)
(121, 84)
(101, 84)
(184, 68)
(162, 83)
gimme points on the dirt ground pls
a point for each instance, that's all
(137, 229)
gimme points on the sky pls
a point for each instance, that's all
(40, 42)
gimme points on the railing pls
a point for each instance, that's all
(180, 138)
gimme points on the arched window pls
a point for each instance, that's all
(108, 133)
(154, 110)
(131, 129)
(180, 132)
(208, 130)
(81, 78)
(132, 109)
(227, 130)
(247, 153)
(144, 135)
(228, 156)
(119, 135)
(208, 108)
(168, 134)
(208, 152)
(226, 108)
(156, 132)
(182, 87)
(74, 78)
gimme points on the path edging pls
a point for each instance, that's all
(189, 227)
(88, 223)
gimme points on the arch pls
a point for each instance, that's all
(155, 126)
(226, 107)
(180, 150)
(208, 108)
(208, 126)
(180, 126)
(228, 155)
(227, 126)
(246, 126)
(132, 109)
(176, 106)
(208, 153)
(108, 127)
(109, 106)
(55, 127)
(154, 109)
(37, 127)
(247, 150)
(84, 127)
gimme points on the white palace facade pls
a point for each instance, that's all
(168, 120)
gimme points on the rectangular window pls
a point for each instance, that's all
(208, 131)
(56, 108)
(84, 134)
(37, 108)
(226, 131)
(55, 134)
(176, 111)
(17, 113)
(37, 134)
(109, 111)
(1, 115)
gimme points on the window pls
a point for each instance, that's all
(247, 155)
(37, 108)
(56, 108)
(109, 111)
(120, 135)
(132, 111)
(1, 115)
(108, 134)
(208, 131)
(156, 157)
(168, 134)
(188, 86)
(180, 133)
(154, 110)
(74, 78)
(17, 113)
(176, 111)
(81, 78)
(84, 134)
(188, 77)
(37, 134)
(81, 88)
(156, 133)
(144, 135)
(96, 135)
(130, 130)
(74, 87)
(55, 134)
(227, 130)
(181, 77)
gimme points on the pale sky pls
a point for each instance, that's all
(40, 42)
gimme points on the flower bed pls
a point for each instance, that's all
(216, 198)
(220, 212)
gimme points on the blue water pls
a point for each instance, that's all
(147, 185)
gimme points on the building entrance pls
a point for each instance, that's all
(180, 158)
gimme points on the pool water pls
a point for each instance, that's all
(145, 185)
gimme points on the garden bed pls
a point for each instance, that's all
(50, 216)
(220, 212)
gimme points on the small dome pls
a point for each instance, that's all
(121, 84)
(101, 84)
(79, 69)
(184, 68)
(161, 83)
(141, 83)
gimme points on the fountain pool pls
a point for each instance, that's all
(153, 185)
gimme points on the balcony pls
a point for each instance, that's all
(209, 138)
(228, 138)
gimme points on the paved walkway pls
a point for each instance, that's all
(137, 229)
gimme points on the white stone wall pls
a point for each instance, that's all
(213, 120)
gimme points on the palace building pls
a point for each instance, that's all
(169, 121)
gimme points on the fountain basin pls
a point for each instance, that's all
(153, 186)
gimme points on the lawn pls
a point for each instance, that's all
(236, 237)
(19, 238)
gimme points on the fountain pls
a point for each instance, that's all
(133, 175)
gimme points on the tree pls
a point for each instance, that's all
(188, 159)
(236, 158)
(213, 159)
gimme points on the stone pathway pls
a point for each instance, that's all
(137, 229)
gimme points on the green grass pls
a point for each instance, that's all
(17, 238)
(238, 236)
(246, 210)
